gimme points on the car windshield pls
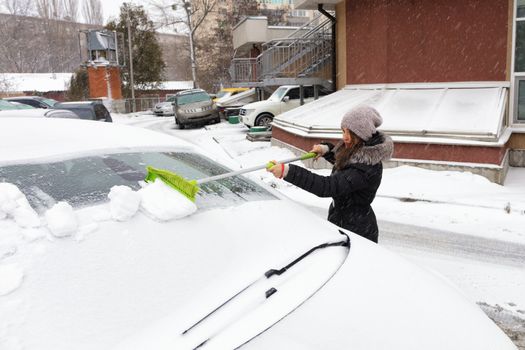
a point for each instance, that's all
(170, 99)
(88, 180)
(278, 94)
(49, 101)
(21, 105)
(5, 105)
(192, 98)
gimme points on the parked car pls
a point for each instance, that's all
(283, 99)
(215, 279)
(90, 110)
(236, 101)
(194, 106)
(10, 105)
(163, 109)
(227, 92)
(14, 109)
(38, 113)
(34, 101)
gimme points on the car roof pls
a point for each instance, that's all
(22, 140)
(234, 89)
(81, 104)
(191, 91)
(25, 98)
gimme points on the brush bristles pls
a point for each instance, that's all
(187, 188)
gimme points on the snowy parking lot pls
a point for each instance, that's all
(458, 225)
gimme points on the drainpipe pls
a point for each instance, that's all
(334, 58)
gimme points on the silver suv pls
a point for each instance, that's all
(194, 106)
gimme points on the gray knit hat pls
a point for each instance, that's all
(362, 121)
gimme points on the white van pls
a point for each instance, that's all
(283, 99)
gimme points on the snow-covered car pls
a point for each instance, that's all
(6, 105)
(163, 109)
(36, 113)
(34, 101)
(236, 101)
(91, 257)
(283, 99)
(228, 92)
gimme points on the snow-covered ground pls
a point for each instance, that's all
(462, 207)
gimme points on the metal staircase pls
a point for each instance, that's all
(304, 57)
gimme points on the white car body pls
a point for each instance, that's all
(37, 113)
(148, 284)
(162, 109)
(261, 113)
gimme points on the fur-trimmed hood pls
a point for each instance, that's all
(371, 154)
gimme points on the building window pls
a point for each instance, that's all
(519, 63)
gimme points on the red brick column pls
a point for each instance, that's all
(98, 77)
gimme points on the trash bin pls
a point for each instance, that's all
(233, 119)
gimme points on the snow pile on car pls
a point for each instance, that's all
(164, 203)
(61, 220)
(124, 203)
(14, 205)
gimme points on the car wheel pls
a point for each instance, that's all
(264, 119)
(217, 120)
(182, 126)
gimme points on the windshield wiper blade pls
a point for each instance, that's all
(270, 273)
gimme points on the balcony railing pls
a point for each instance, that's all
(306, 53)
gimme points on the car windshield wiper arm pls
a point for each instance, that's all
(272, 272)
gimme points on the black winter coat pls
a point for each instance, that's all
(353, 188)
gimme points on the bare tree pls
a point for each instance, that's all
(199, 11)
(5, 85)
(92, 12)
(49, 9)
(18, 7)
(70, 10)
(19, 50)
(165, 14)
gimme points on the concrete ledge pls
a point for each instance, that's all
(517, 158)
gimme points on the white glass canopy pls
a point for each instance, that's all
(470, 111)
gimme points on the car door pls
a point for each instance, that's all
(308, 94)
(290, 100)
(101, 113)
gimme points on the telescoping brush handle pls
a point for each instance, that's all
(268, 165)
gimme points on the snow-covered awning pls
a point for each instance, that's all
(469, 111)
(40, 82)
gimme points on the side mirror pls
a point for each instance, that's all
(286, 98)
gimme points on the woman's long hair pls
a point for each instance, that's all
(343, 154)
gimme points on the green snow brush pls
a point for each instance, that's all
(189, 188)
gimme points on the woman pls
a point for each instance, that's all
(356, 173)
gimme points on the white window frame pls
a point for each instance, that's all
(516, 77)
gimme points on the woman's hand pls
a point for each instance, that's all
(320, 150)
(278, 170)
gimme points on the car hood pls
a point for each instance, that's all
(194, 105)
(385, 302)
(115, 279)
(261, 104)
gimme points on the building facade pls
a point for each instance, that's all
(447, 76)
